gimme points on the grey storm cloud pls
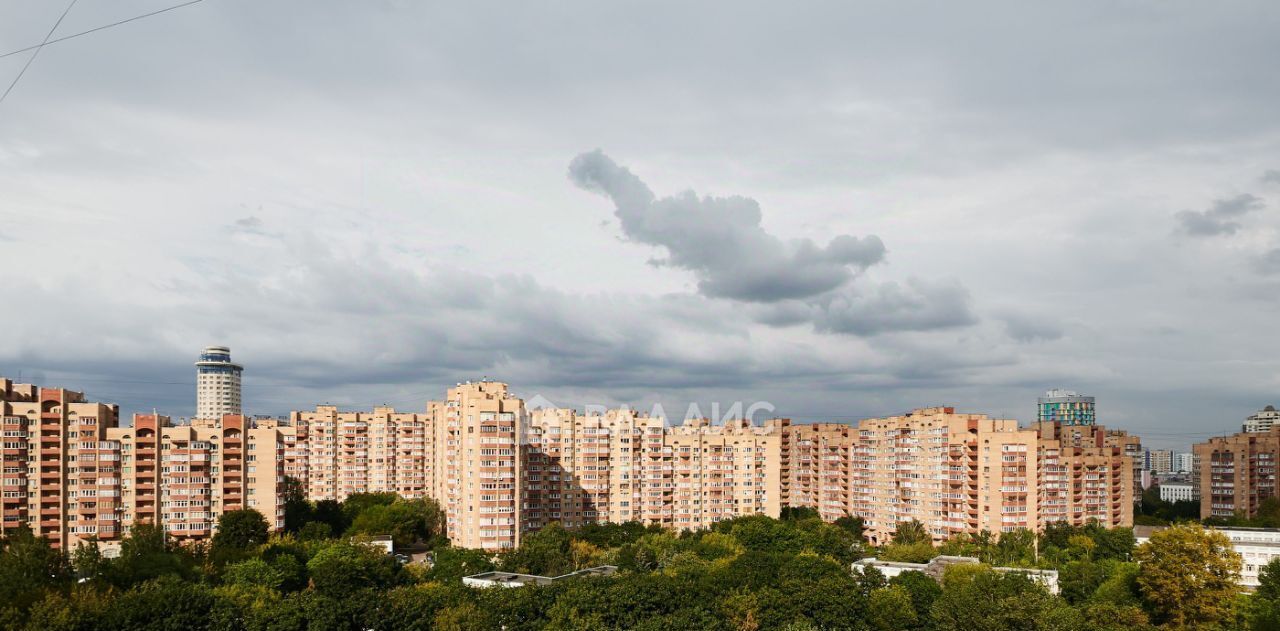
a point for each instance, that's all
(1272, 176)
(1026, 328)
(1221, 218)
(1269, 261)
(916, 305)
(721, 241)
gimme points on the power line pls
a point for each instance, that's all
(103, 27)
(37, 51)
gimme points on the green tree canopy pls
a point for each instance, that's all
(1188, 575)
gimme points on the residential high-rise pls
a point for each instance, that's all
(1183, 462)
(46, 430)
(477, 430)
(1160, 461)
(217, 383)
(1066, 407)
(1236, 473)
(959, 473)
(364, 452)
(1087, 474)
(1263, 421)
(72, 473)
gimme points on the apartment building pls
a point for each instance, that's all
(1086, 475)
(1263, 421)
(958, 473)
(1236, 473)
(72, 473)
(52, 464)
(1159, 461)
(1067, 407)
(816, 466)
(217, 383)
(363, 452)
(719, 472)
(477, 434)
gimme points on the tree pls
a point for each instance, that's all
(315, 531)
(253, 572)
(27, 566)
(891, 609)
(545, 552)
(922, 589)
(81, 610)
(165, 603)
(87, 561)
(297, 510)
(852, 525)
(911, 532)
(451, 564)
(408, 522)
(463, 617)
(985, 600)
(342, 568)
(1188, 575)
(240, 529)
(1269, 580)
(145, 554)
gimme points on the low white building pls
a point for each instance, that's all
(511, 579)
(1177, 492)
(1256, 546)
(937, 565)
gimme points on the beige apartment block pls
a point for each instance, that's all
(815, 469)
(478, 477)
(59, 477)
(954, 473)
(584, 468)
(958, 473)
(724, 471)
(1087, 474)
(363, 452)
(73, 474)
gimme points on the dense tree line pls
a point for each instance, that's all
(746, 574)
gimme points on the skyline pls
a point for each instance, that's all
(989, 204)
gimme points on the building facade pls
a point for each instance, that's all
(499, 470)
(1067, 407)
(1177, 492)
(1263, 421)
(217, 384)
(1236, 473)
(958, 473)
(72, 473)
(1160, 461)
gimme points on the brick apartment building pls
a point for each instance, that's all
(500, 470)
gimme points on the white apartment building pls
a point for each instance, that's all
(1263, 421)
(217, 383)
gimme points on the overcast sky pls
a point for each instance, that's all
(844, 209)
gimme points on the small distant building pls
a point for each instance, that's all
(1256, 547)
(1183, 462)
(1067, 407)
(1160, 461)
(938, 565)
(1178, 492)
(381, 542)
(1263, 421)
(511, 579)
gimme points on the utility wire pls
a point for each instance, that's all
(103, 27)
(37, 51)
